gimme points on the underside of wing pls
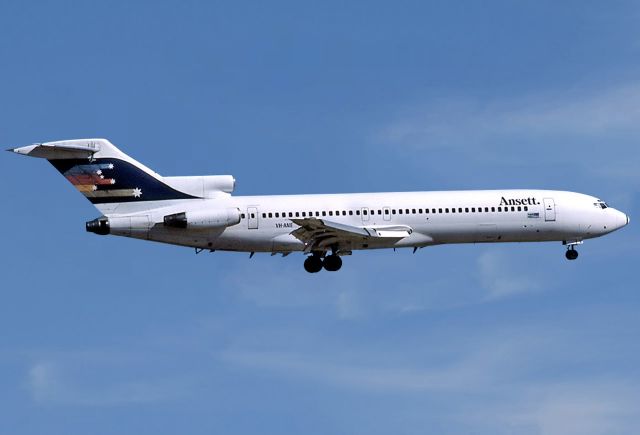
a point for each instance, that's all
(320, 234)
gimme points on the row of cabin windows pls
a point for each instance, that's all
(394, 211)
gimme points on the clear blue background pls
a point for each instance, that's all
(104, 335)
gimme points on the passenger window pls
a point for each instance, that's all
(513, 209)
(407, 211)
(433, 210)
(242, 215)
(358, 212)
(277, 215)
(413, 211)
(439, 210)
(270, 215)
(379, 211)
(330, 212)
(499, 208)
(519, 208)
(420, 210)
(253, 215)
(479, 209)
(350, 212)
(526, 208)
(393, 211)
(264, 215)
(304, 214)
(453, 210)
(364, 212)
(297, 214)
(324, 213)
(338, 213)
(486, 209)
(493, 209)
(426, 210)
(344, 213)
(386, 211)
(399, 211)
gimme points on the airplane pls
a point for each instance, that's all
(201, 212)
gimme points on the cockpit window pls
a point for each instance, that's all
(600, 204)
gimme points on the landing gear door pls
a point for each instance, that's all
(549, 209)
(252, 217)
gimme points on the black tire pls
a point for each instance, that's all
(332, 263)
(571, 254)
(313, 264)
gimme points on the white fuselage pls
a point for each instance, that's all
(434, 218)
(200, 212)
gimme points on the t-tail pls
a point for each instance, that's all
(117, 184)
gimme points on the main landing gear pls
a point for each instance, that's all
(314, 263)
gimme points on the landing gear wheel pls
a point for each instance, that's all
(571, 254)
(332, 263)
(313, 264)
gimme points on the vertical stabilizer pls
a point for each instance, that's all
(102, 173)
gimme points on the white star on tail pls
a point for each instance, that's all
(137, 192)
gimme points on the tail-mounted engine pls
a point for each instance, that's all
(204, 219)
(139, 225)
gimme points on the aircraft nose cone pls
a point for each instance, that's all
(622, 219)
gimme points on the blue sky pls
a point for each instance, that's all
(107, 335)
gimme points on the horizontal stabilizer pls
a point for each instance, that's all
(70, 149)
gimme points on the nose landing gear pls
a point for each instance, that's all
(571, 253)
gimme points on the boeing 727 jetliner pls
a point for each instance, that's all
(200, 212)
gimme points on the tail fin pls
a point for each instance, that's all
(102, 173)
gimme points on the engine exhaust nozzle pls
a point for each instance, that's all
(98, 226)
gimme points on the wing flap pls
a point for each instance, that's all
(321, 233)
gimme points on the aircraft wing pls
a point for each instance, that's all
(321, 234)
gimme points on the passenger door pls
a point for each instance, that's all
(252, 217)
(549, 209)
(364, 211)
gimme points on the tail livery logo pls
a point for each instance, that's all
(96, 181)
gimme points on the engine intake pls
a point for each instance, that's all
(203, 219)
